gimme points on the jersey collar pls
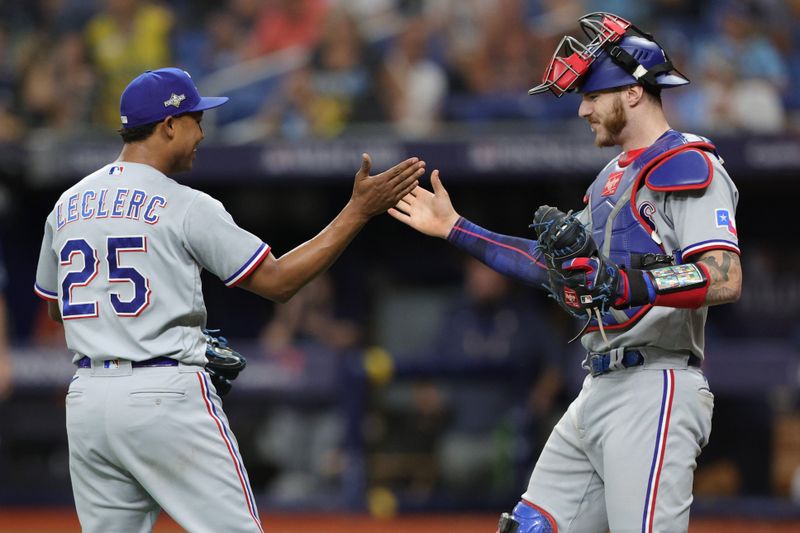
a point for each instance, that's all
(629, 157)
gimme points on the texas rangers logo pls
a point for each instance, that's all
(646, 211)
(725, 220)
(175, 100)
(612, 183)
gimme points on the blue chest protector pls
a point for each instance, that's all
(675, 162)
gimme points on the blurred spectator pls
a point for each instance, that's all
(638, 11)
(459, 23)
(737, 70)
(377, 18)
(125, 38)
(413, 86)
(303, 443)
(334, 91)
(57, 85)
(11, 127)
(501, 64)
(285, 23)
(554, 18)
(225, 42)
(311, 316)
(495, 430)
(6, 381)
(770, 299)
(494, 77)
(788, 39)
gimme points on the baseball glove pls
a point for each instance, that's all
(581, 279)
(562, 237)
(224, 363)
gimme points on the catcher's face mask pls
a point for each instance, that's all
(617, 54)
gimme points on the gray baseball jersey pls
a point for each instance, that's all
(122, 254)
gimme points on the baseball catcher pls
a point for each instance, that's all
(655, 245)
(224, 363)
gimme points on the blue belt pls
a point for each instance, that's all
(85, 362)
(603, 363)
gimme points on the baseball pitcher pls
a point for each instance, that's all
(120, 265)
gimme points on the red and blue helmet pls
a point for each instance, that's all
(618, 54)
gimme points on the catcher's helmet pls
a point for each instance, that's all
(618, 54)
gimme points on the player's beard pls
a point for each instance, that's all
(607, 132)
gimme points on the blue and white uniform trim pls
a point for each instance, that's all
(44, 293)
(232, 449)
(704, 246)
(659, 451)
(249, 266)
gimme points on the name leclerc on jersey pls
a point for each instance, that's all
(122, 202)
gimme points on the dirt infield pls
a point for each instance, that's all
(64, 521)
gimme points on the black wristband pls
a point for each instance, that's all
(637, 288)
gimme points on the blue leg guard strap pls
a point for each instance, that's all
(528, 518)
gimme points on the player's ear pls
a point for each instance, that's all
(169, 126)
(634, 95)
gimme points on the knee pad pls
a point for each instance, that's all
(527, 518)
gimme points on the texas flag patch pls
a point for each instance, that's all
(725, 220)
(116, 171)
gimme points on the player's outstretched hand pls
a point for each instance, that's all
(431, 213)
(373, 195)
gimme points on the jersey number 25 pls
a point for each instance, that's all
(70, 309)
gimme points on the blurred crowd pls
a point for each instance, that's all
(411, 67)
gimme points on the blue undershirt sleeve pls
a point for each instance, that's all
(511, 256)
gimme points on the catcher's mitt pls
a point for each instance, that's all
(561, 237)
(224, 363)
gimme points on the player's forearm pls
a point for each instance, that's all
(511, 256)
(725, 276)
(280, 279)
(714, 279)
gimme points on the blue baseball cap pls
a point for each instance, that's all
(158, 94)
